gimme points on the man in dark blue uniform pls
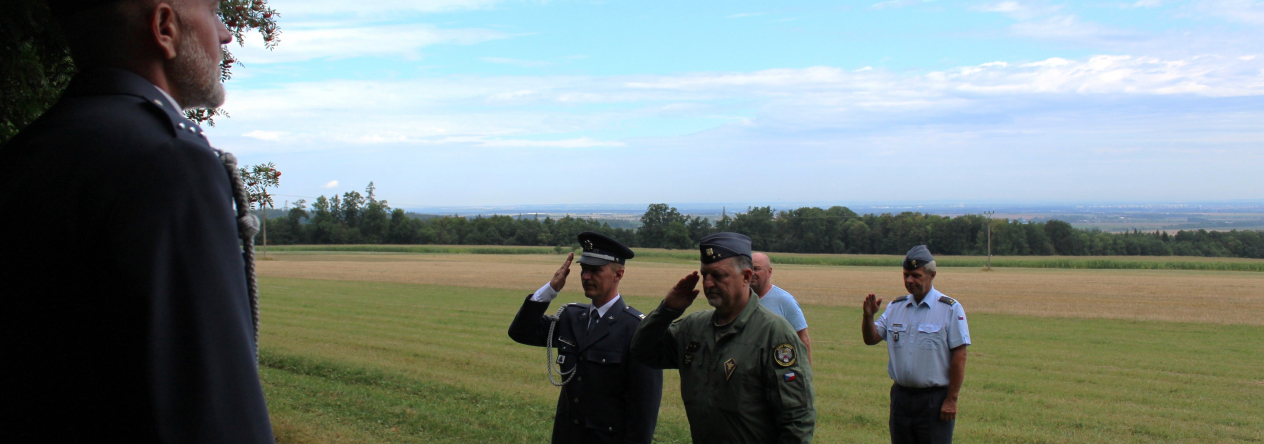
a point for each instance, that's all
(607, 397)
(126, 316)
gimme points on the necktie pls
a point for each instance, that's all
(592, 318)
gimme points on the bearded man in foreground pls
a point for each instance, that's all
(126, 313)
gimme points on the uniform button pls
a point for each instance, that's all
(576, 400)
(157, 102)
(603, 360)
(180, 124)
(581, 378)
(610, 429)
(581, 359)
(576, 422)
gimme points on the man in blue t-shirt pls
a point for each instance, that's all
(778, 300)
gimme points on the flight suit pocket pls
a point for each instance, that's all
(929, 336)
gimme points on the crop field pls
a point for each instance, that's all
(412, 347)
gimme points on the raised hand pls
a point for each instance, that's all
(683, 294)
(559, 276)
(872, 304)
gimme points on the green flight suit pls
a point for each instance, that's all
(746, 382)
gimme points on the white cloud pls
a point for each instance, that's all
(517, 62)
(377, 7)
(302, 42)
(331, 184)
(1020, 9)
(1066, 27)
(1242, 11)
(265, 135)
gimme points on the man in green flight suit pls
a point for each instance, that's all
(743, 377)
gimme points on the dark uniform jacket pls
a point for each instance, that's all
(125, 316)
(747, 382)
(612, 399)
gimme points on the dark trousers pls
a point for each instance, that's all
(915, 416)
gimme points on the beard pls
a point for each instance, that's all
(714, 299)
(196, 74)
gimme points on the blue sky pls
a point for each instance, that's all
(487, 102)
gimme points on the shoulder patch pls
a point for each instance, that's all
(948, 300)
(901, 298)
(783, 355)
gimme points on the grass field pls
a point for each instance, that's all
(413, 348)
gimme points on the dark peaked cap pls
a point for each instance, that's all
(917, 257)
(724, 245)
(600, 249)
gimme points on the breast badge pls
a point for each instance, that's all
(729, 366)
(784, 355)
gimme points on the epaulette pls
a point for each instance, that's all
(900, 299)
(634, 312)
(578, 305)
(948, 300)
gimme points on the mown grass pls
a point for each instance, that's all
(383, 362)
(853, 260)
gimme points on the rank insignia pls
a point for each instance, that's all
(784, 355)
(561, 359)
(710, 252)
(688, 358)
(692, 347)
(729, 366)
(790, 376)
(642, 315)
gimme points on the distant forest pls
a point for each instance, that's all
(356, 218)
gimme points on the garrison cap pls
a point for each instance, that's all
(917, 257)
(724, 245)
(600, 249)
(65, 8)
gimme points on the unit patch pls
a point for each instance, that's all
(790, 376)
(784, 355)
(692, 347)
(729, 366)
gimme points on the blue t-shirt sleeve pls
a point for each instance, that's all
(794, 314)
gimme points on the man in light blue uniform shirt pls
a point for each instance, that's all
(927, 336)
(778, 300)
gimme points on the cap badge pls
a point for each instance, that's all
(710, 252)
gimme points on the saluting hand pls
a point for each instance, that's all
(872, 304)
(559, 276)
(683, 294)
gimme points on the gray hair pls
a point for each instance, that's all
(742, 262)
(930, 267)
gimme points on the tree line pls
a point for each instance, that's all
(356, 218)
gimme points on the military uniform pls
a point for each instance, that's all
(920, 337)
(744, 382)
(610, 398)
(126, 311)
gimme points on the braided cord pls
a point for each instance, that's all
(549, 363)
(247, 228)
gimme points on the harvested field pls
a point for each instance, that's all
(1163, 295)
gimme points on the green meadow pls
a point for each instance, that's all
(347, 361)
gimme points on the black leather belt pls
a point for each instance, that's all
(920, 390)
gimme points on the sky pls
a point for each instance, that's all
(490, 102)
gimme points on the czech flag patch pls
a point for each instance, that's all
(790, 376)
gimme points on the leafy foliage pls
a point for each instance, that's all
(258, 179)
(35, 64)
(354, 218)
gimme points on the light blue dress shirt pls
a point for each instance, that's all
(920, 338)
(782, 303)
